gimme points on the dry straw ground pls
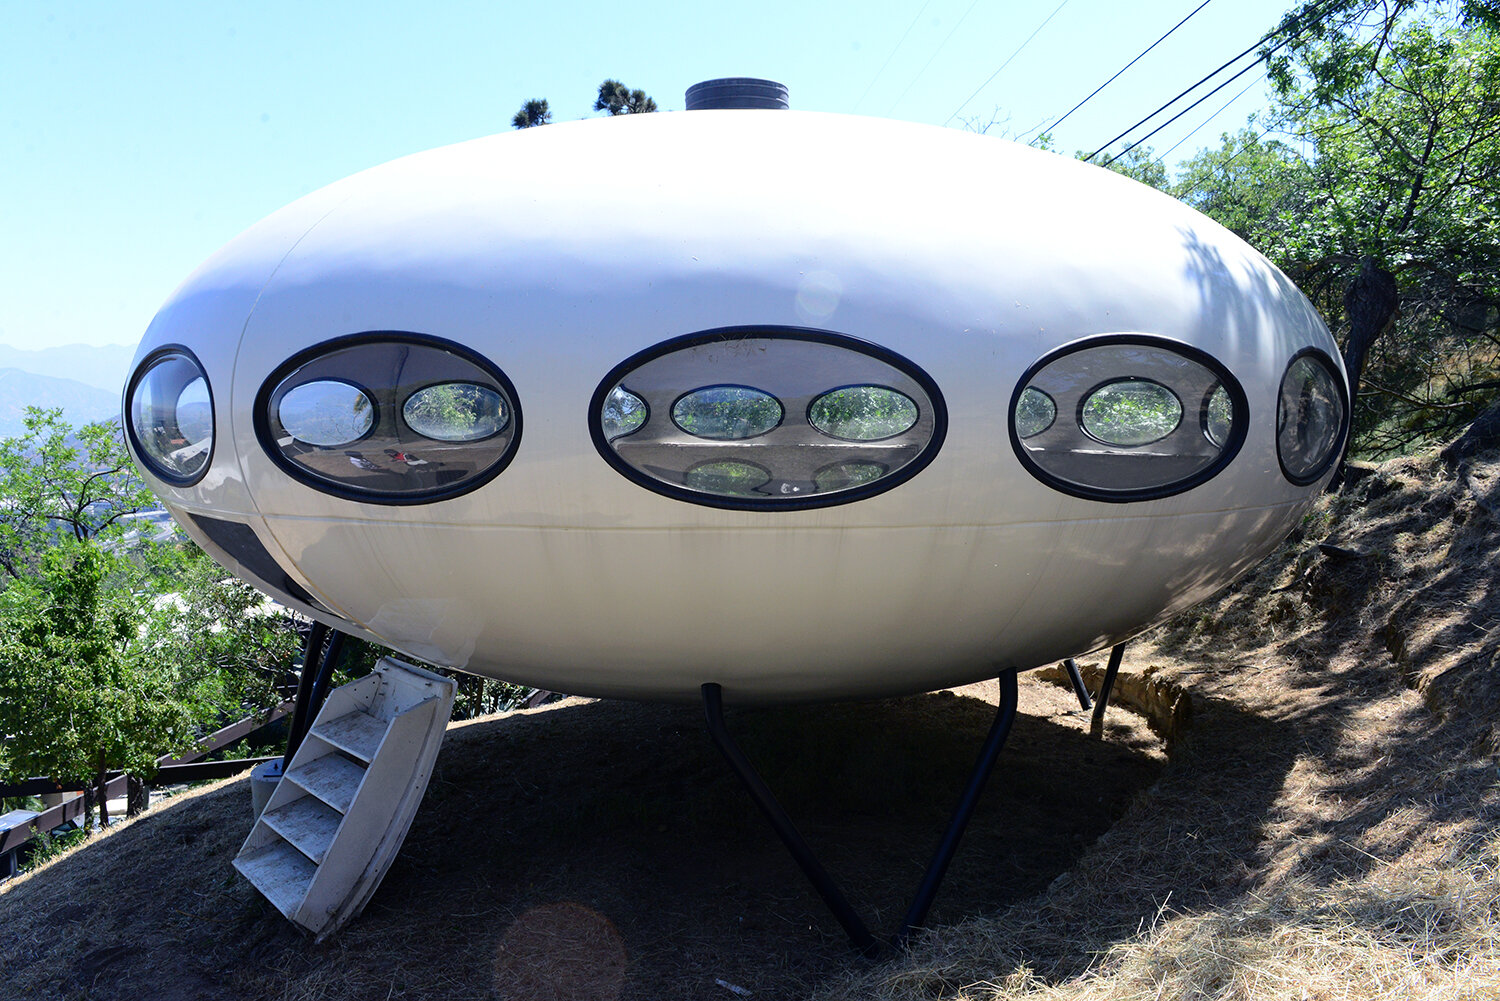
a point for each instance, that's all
(1326, 829)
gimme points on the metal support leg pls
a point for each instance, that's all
(859, 933)
(1102, 701)
(312, 685)
(713, 707)
(1005, 716)
(1079, 688)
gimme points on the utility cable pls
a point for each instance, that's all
(1332, 5)
(1013, 56)
(957, 24)
(899, 43)
(1179, 114)
(1216, 114)
(1127, 66)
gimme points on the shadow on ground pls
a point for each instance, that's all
(604, 847)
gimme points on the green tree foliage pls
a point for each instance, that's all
(113, 650)
(56, 482)
(1391, 185)
(533, 113)
(617, 99)
(82, 690)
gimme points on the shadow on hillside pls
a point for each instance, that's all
(625, 814)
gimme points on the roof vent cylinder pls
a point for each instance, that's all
(737, 92)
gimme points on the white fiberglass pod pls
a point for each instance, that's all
(810, 406)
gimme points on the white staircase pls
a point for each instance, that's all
(339, 815)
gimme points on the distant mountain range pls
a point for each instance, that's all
(103, 367)
(82, 379)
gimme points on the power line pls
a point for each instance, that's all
(1332, 5)
(1184, 111)
(934, 55)
(1211, 117)
(1179, 97)
(899, 43)
(1013, 56)
(1127, 66)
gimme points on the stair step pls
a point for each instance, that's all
(280, 872)
(332, 778)
(359, 733)
(308, 823)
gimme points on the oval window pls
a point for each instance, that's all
(1131, 412)
(1218, 416)
(1035, 412)
(389, 418)
(1309, 419)
(726, 412)
(777, 418)
(1126, 390)
(727, 478)
(171, 417)
(862, 413)
(326, 413)
(455, 411)
(623, 413)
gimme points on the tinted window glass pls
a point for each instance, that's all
(1131, 412)
(726, 412)
(1309, 418)
(455, 411)
(863, 413)
(326, 413)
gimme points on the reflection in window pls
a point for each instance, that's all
(1309, 418)
(1035, 412)
(623, 413)
(842, 475)
(1131, 412)
(726, 478)
(1218, 420)
(171, 418)
(455, 411)
(727, 412)
(862, 413)
(326, 413)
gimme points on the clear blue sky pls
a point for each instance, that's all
(136, 138)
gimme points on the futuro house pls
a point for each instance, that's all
(804, 406)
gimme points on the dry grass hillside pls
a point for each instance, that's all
(1325, 828)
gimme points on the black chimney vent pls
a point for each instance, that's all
(737, 92)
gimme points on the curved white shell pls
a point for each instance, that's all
(558, 252)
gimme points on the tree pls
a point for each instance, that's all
(56, 482)
(1400, 232)
(533, 113)
(1387, 220)
(113, 650)
(617, 99)
(80, 691)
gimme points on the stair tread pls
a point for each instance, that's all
(308, 824)
(359, 733)
(332, 778)
(280, 872)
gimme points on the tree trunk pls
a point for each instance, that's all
(1482, 436)
(1370, 302)
(137, 796)
(101, 781)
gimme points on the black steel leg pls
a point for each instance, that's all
(1005, 716)
(1102, 701)
(311, 661)
(713, 707)
(318, 664)
(1079, 688)
(859, 934)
